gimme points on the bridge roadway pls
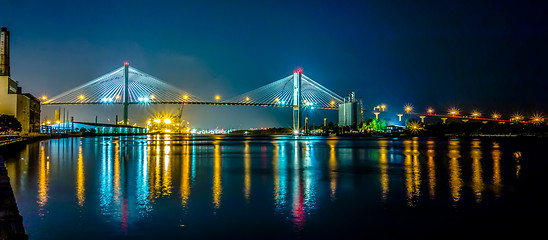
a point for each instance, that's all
(194, 103)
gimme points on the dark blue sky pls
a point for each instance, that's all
(470, 54)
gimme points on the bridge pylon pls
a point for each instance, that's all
(297, 77)
(126, 92)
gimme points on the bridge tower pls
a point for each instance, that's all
(297, 77)
(126, 92)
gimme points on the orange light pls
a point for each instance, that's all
(126, 63)
(44, 98)
(430, 110)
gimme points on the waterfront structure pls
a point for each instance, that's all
(23, 106)
(350, 112)
(91, 127)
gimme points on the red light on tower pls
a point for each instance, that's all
(126, 63)
(300, 70)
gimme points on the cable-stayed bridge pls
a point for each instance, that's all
(127, 85)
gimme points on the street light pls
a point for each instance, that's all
(453, 112)
(44, 98)
(217, 98)
(476, 114)
(430, 110)
(408, 108)
(81, 97)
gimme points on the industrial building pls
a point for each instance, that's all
(350, 113)
(23, 106)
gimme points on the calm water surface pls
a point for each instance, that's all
(167, 187)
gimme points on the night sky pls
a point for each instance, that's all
(469, 54)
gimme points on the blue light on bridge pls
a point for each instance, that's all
(143, 99)
(107, 100)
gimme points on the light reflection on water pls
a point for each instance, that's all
(131, 179)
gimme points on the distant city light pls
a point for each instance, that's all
(430, 110)
(495, 116)
(247, 98)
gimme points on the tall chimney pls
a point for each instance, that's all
(5, 52)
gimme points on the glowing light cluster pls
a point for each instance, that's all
(143, 99)
(107, 100)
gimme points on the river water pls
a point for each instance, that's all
(165, 187)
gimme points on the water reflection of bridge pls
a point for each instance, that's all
(163, 166)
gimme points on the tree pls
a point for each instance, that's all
(9, 124)
(374, 125)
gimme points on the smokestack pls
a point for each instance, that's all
(5, 52)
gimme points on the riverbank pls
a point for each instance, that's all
(11, 222)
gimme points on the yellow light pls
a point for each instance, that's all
(217, 97)
(247, 98)
(44, 98)
(537, 118)
(430, 110)
(383, 107)
(152, 96)
(408, 108)
(454, 111)
(277, 99)
(495, 116)
(58, 122)
(517, 117)
(332, 103)
(476, 114)
(117, 96)
(185, 97)
(167, 121)
(81, 96)
(48, 122)
(157, 120)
